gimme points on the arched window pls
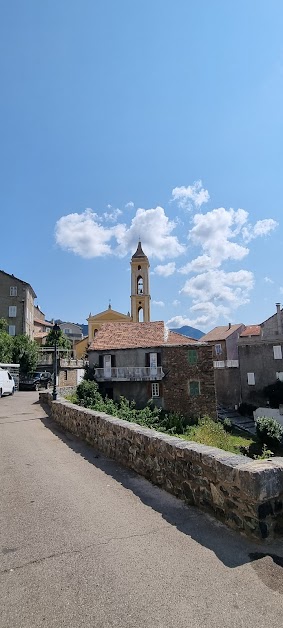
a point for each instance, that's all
(140, 315)
(95, 332)
(140, 285)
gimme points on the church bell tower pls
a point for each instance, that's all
(140, 297)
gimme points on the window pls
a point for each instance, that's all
(218, 349)
(67, 330)
(65, 375)
(194, 388)
(251, 379)
(12, 330)
(149, 361)
(192, 356)
(277, 352)
(155, 389)
(13, 291)
(140, 285)
(279, 376)
(12, 311)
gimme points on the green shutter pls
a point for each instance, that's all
(194, 389)
(192, 356)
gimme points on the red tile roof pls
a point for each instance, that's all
(41, 334)
(220, 333)
(39, 321)
(135, 335)
(251, 330)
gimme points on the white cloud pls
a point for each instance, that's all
(197, 265)
(214, 232)
(226, 288)
(268, 280)
(261, 228)
(129, 205)
(155, 230)
(165, 270)
(159, 303)
(206, 315)
(176, 303)
(83, 234)
(194, 194)
(113, 215)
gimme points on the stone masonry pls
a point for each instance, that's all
(179, 371)
(246, 495)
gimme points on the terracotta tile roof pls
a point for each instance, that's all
(39, 321)
(41, 334)
(251, 330)
(220, 333)
(135, 335)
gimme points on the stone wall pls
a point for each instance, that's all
(246, 495)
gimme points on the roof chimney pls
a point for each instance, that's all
(229, 326)
(279, 322)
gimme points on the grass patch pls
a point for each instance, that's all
(213, 434)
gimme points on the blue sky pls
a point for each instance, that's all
(156, 119)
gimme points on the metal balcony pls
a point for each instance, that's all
(129, 373)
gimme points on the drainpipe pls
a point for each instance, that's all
(279, 323)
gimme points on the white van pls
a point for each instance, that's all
(7, 383)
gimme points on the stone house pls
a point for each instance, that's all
(224, 343)
(17, 304)
(72, 331)
(41, 326)
(146, 362)
(260, 357)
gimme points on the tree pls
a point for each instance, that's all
(3, 325)
(25, 353)
(6, 346)
(62, 341)
(6, 343)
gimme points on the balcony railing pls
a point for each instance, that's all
(129, 373)
(222, 364)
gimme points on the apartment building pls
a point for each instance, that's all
(17, 304)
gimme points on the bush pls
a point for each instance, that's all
(269, 431)
(227, 425)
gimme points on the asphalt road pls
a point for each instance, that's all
(85, 542)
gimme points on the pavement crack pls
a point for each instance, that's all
(37, 561)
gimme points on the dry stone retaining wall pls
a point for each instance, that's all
(246, 495)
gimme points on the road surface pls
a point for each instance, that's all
(87, 543)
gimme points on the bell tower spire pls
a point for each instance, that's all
(140, 297)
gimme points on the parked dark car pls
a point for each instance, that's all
(35, 381)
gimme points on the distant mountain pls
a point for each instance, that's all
(186, 330)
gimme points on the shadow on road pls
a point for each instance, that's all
(232, 549)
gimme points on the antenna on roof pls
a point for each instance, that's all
(109, 306)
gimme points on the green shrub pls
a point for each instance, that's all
(265, 454)
(227, 425)
(269, 431)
